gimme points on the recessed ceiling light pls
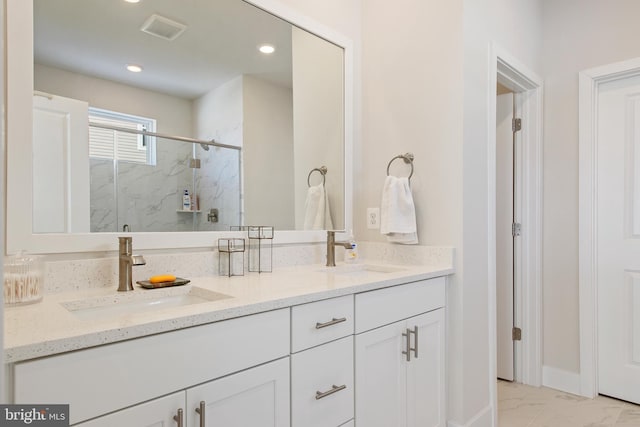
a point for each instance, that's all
(266, 48)
(134, 68)
(132, 1)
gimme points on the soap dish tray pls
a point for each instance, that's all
(148, 285)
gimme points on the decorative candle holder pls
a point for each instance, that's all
(260, 248)
(231, 257)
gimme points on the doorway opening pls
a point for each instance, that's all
(508, 159)
(526, 88)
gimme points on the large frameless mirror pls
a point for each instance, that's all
(167, 116)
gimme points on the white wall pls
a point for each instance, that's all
(578, 34)
(516, 27)
(172, 113)
(318, 121)
(269, 154)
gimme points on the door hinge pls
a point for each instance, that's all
(516, 125)
(516, 229)
(516, 334)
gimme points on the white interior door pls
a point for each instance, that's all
(61, 157)
(618, 238)
(504, 238)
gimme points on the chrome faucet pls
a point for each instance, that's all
(331, 247)
(127, 260)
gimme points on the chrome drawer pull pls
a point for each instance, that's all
(179, 418)
(334, 389)
(201, 411)
(331, 322)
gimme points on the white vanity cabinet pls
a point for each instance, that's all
(322, 383)
(104, 379)
(399, 366)
(368, 359)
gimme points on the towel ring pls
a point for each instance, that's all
(407, 157)
(323, 172)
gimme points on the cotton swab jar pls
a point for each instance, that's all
(23, 279)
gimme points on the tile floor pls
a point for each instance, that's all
(524, 406)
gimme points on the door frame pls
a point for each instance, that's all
(510, 72)
(589, 85)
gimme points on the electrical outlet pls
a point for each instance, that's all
(373, 217)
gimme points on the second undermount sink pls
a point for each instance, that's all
(139, 301)
(363, 268)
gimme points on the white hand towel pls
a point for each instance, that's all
(398, 213)
(317, 215)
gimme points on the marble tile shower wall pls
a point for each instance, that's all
(218, 181)
(102, 199)
(76, 275)
(147, 197)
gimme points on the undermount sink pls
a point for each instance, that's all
(139, 301)
(363, 268)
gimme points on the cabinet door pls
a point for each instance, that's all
(155, 413)
(257, 397)
(426, 371)
(380, 377)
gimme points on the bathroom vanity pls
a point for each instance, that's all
(303, 347)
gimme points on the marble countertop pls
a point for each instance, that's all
(49, 327)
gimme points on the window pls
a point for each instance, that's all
(121, 145)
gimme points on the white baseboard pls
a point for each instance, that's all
(561, 380)
(481, 419)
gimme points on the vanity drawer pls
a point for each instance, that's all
(328, 370)
(320, 322)
(108, 378)
(385, 306)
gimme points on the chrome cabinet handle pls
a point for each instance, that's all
(334, 389)
(408, 348)
(179, 418)
(331, 322)
(407, 345)
(415, 347)
(201, 411)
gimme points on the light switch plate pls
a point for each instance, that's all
(373, 218)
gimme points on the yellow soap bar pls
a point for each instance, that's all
(162, 278)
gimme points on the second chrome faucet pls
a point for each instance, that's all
(331, 247)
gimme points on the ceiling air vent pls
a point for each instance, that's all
(162, 27)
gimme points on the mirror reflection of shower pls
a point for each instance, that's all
(148, 196)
